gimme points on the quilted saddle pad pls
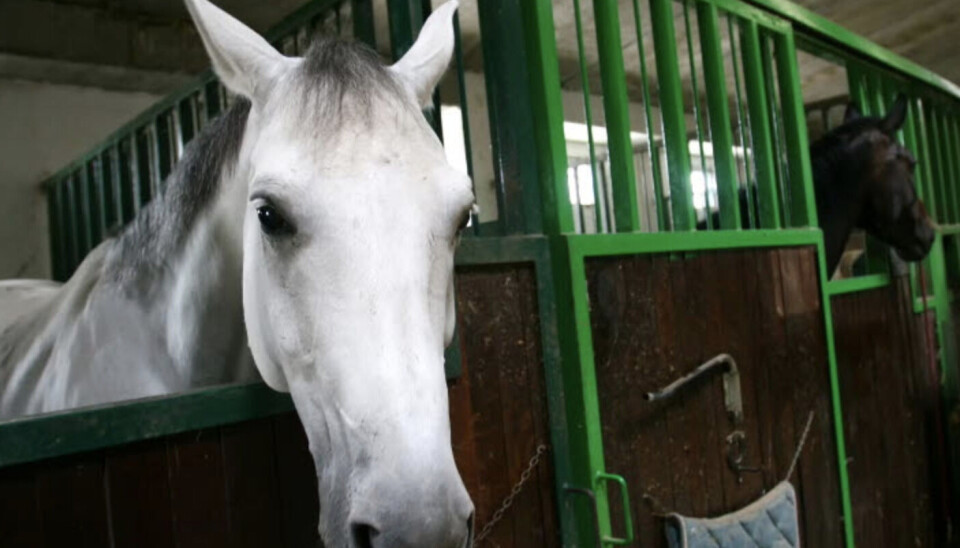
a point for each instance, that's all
(768, 522)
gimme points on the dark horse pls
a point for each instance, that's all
(863, 179)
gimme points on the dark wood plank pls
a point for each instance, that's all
(197, 489)
(60, 485)
(138, 495)
(297, 481)
(252, 493)
(20, 519)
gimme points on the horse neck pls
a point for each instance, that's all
(181, 259)
(838, 191)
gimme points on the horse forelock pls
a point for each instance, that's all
(342, 81)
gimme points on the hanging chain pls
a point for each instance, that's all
(508, 500)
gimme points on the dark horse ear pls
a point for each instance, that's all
(852, 113)
(896, 116)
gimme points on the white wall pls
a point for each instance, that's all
(42, 128)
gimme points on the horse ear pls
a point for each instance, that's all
(894, 119)
(241, 58)
(426, 61)
(852, 112)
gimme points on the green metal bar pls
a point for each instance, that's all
(662, 213)
(937, 173)
(924, 166)
(117, 185)
(671, 105)
(950, 165)
(763, 151)
(74, 223)
(363, 27)
(588, 115)
(99, 205)
(109, 213)
(859, 283)
(718, 102)
(779, 148)
(953, 152)
(508, 108)
(802, 204)
(617, 115)
(835, 398)
(547, 110)
(742, 124)
(807, 21)
(697, 116)
(87, 212)
(56, 233)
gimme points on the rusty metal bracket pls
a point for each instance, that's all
(732, 400)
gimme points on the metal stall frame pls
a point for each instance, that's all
(525, 106)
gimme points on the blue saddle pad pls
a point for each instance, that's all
(768, 522)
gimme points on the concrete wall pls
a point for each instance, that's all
(42, 128)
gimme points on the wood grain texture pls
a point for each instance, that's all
(889, 403)
(657, 317)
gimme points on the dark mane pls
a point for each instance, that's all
(333, 74)
(153, 237)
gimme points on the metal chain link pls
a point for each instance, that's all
(508, 500)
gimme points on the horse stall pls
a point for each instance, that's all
(647, 203)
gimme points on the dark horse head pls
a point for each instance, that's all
(864, 179)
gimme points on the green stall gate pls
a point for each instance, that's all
(599, 133)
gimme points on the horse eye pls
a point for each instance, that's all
(271, 222)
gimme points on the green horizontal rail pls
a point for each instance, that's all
(807, 21)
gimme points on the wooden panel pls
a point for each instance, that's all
(655, 318)
(197, 495)
(254, 483)
(138, 496)
(498, 405)
(889, 406)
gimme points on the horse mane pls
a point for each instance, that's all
(331, 70)
(147, 244)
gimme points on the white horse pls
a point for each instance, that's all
(316, 222)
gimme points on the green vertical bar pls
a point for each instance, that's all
(617, 109)
(73, 223)
(953, 151)
(674, 123)
(924, 162)
(858, 88)
(716, 86)
(662, 214)
(588, 115)
(55, 231)
(763, 152)
(547, 109)
(743, 126)
(86, 219)
(508, 108)
(936, 170)
(836, 400)
(698, 117)
(950, 165)
(363, 27)
(776, 118)
(99, 204)
(803, 210)
(406, 19)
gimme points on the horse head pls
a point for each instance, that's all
(864, 174)
(350, 216)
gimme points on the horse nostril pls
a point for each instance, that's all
(363, 535)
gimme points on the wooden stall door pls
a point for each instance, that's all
(889, 404)
(654, 319)
(253, 483)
